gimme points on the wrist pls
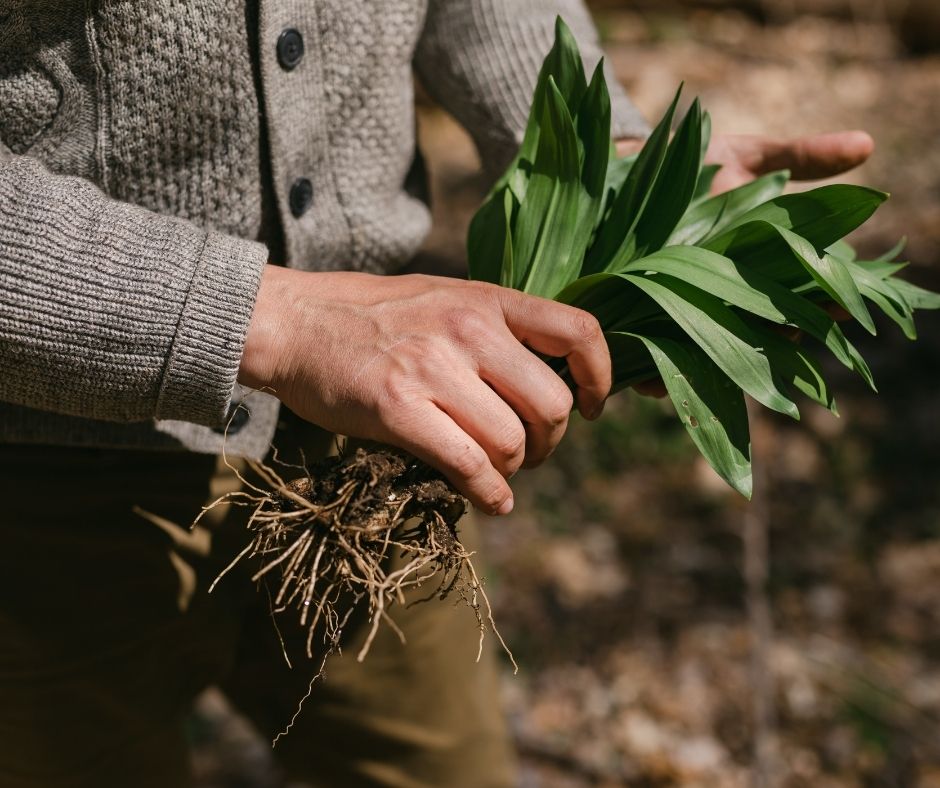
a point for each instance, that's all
(259, 363)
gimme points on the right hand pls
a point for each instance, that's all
(444, 368)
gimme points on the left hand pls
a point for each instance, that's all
(744, 157)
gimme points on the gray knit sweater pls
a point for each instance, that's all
(136, 142)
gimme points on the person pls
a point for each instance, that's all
(198, 202)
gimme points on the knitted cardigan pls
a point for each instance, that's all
(145, 147)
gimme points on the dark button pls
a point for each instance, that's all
(236, 418)
(301, 197)
(290, 49)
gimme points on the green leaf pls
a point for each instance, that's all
(779, 253)
(706, 135)
(822, 216)
(615, 236)
(746, 288)
(883, 292)
(843, 250)
(673, 189)
(507, 276)
(486, 239)
(544, 251)
(793, 365)
(606, 296)
(593, 129)
(916, 296)
(563, 64)
(724, 336)
(709, 405)
(712, 216)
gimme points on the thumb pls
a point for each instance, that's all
(818, 156)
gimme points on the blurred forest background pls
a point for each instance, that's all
(669, 634)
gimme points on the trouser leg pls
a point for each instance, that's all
(104, 639)
(423, 714)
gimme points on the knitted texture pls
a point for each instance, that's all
(131, 186)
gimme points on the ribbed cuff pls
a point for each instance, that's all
(207, 347)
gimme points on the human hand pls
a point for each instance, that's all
(744, 157)
(443, 368)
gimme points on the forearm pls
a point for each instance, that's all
(112, 312)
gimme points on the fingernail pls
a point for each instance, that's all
(506, 506)
(596, 413)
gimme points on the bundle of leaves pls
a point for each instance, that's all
(689, 287)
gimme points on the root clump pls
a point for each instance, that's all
(356, 533)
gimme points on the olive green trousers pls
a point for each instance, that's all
(107, 633)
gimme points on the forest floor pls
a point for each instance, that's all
(619, 579)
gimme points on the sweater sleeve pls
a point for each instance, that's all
(480, 60)
(109, 311)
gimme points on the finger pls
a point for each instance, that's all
(480, 412)
(651, 388)
(818, 156)
(563, 332)
(433, 436)
(534, 391)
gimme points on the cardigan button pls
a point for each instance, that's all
(236, 418)
(290, 49)
(301, 197)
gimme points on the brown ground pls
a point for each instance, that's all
(619, 581)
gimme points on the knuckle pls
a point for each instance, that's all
(493, 496)
(470, 462)
(466, 324)
(511, 446)
(559, 409)
(396, 398)
(586, 327)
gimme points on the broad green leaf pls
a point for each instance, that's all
(744, 287)
(543, 243)
(563, 64)
(592, 124)
(882, 270)
(706, 136)
(507, 276)
(890, 300)
(673, 189)
(615, 235)
(724, 336)
(775, 250)
(710, 406)
(843, 250)
(793, 365)
(712, 216)
(916, 296)
(487, 238)
(822, 216)
(606, 296)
